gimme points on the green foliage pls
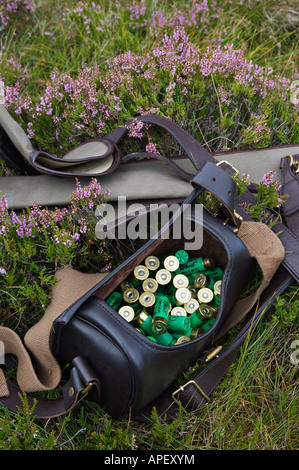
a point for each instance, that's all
(36, 243)
(287, 308)
(119, 59)
(19, 431)
(109, 436)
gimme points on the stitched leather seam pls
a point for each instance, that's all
(121, 350)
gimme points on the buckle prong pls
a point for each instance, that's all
(198, 388)
(237, 216)
(239, 220)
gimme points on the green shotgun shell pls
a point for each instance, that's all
(191, 306)
(141, 272)
(140, 331)
(217, 293)
(217, 288)
(178, 323)
(206, 311)
(127, 312)
(194, 333)
(161, 309)
(205, 295)
(159, 326)
(166, 338)
(162, 305)
(180, 280)
(182, 256)
(179, 311)
(201, 280)
(182, 339)
(152, 263)
(147, 299)
(207, 325)
(152, 338)
(163, 277)
(144, 320)
(131, 295)
(171, 263)
(150, 284)
(216, 273)
(125, 285)
(195, 265)
(214, 276)
(182, 295)
(196, 319)
(115, 299)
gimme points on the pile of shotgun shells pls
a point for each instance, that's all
(172, 299)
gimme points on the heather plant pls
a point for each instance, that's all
(9, 8)
(76, 107)
(269, 200)
(37, 242)
(268, 196)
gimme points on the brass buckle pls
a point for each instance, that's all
(87, 388)
(238, 217)
(222, 162)
(213, 353)
(293, 163)
(239, 220)
(182, 388)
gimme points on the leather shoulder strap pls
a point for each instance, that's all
(209, 176)
(194, 150)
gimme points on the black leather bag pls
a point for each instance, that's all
(132, 369)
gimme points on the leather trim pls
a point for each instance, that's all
(112, 150)
(220, 184)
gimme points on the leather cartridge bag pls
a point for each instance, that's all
(132, 369)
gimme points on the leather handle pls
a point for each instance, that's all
(208, 176)
(197, 154)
